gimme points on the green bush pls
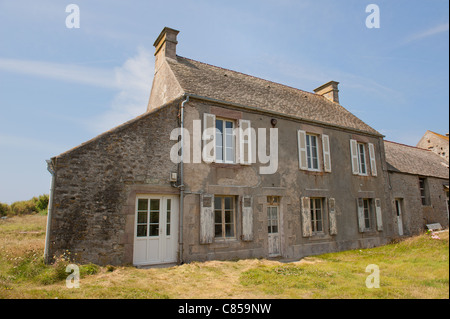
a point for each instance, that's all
(4, 209)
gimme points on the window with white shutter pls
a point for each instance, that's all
(354, 156)
(373, 162)
(302, 153)
(245, 142)
(378, 214)
(209, 138)
(306, 216)
(326, 153)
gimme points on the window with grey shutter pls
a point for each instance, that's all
(326, 153)
(306, 216)
(206, 218)
(332, 216)
(354, 156)
(247, 218)
(373, 162)
(361, 221)
(378, 213)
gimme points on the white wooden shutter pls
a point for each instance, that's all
(326, 153)
(378, 213)
(332, 216)
(206, 218)
(354, 156)
(245, 142)
(373, 162)
(302, 154)
(361, 224)
(209, 138)
(306, 216)
(247, 218)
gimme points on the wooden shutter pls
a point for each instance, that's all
(332, 216)
(245, 142)
(361, 224)
(378, 213)
(302, 154)
(354, 156)
(209, 138)
(326, 153)
(206, 218)
(306, 216)
(373, 162)
(247, 218)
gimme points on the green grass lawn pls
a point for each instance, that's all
(416, 267)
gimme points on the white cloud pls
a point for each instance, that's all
(134, 80)
(60, 71)
(428, 33)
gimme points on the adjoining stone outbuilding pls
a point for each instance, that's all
(419, 181)
(222, 165)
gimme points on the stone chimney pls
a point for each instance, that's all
(329, 90)
(165, 46)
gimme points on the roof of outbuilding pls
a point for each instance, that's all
(237, 88)
(413, 160)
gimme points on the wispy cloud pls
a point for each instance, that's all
(131, 81)
(60, 71)
(427, 33)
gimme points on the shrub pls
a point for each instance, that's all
(4, 209)
(42, 203)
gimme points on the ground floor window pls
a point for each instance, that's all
(367, 212)
(224, 217)
(316, 209)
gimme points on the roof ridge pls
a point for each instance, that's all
(252, 76)
(419, 148)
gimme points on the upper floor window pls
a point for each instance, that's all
(363, 154)
(225, 141)
(310, 147)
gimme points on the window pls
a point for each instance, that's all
(225, 144)
(362, 159)
(309, 151)
(367, 213)
(316, 215)
(312, 152)
(224, 216)
(423, 191)
(273, 203)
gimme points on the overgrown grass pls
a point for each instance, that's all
(414, 268)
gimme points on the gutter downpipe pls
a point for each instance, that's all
(181, 186)
(51, 169)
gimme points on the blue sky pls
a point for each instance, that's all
(60, 87)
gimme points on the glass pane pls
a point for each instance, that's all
(219, 126)
(218, 216)
(169, 202)
(229, 230)
(229, 126)
(168, 229)
(141, 230)
(142, 218)
(229, 154)
(274, 229)
(154, 217)
(142, 204)
(217, 203)
(154, 229)
(228, 216)
(227, 202)
(168, 218)
(218, 230)
(274, 213)
(154, 204)
(319, 226)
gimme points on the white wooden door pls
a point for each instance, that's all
(273, 218)
(398, 208)
(156, 230)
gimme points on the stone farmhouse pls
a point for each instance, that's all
(224, 165)
(435, 142)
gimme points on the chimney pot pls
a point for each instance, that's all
(329, 90)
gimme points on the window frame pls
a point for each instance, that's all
(309, 152)
(313, 213)
(368, 210)
(362, 164)
(223, 222)
(423, 191)
(225, 145)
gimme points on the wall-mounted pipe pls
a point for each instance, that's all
(51, 169)
(181, 186)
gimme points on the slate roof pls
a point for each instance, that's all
(414, 160)
(237, 88)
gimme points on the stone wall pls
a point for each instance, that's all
(96, 183)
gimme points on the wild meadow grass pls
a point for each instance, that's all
(416, 267)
